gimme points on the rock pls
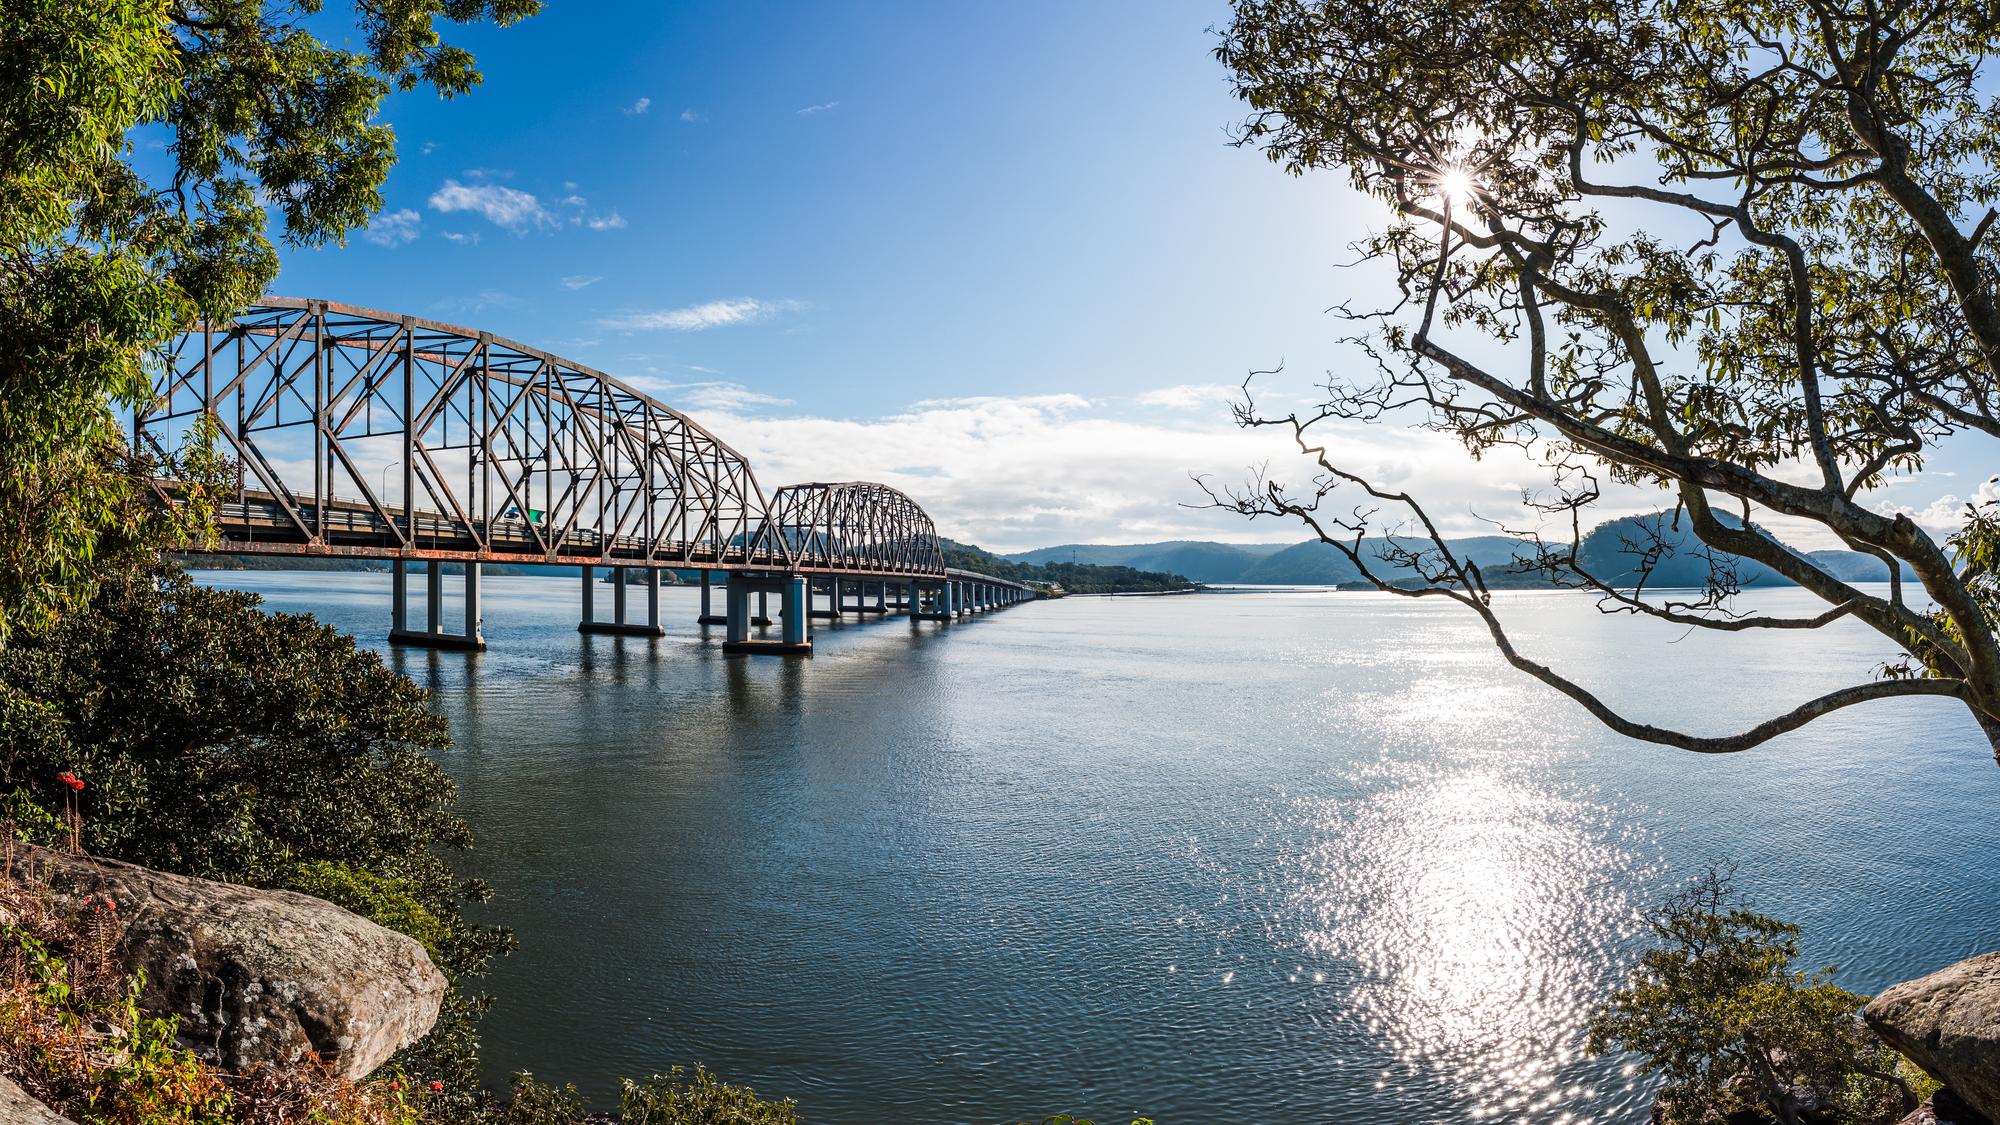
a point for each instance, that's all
(1949, 1024)
(255, 976)
(1944, 1108)
(17, 1108)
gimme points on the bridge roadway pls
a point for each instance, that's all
(514, 455)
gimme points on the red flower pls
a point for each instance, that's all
(70, 779)
(436, 1086)
(110, 903)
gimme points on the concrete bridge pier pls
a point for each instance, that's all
(468, 639)
(795, 599)
(930, 603)
(620, 625)
(861, 602)
(832, 612)
(759, 619)
(708, 614)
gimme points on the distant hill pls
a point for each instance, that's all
(1611, 551)
(1076, 578)
(1202, 562)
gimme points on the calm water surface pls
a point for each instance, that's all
(1252, 857)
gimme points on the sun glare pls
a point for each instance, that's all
(1455, 185)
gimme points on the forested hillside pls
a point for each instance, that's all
(1074, 578)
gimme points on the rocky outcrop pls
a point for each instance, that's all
(17, 1108)
(255, 976)
(1944, 1108)
(1949, 1024)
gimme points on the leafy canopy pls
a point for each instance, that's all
(1736, 251)
(1716, 1010)
(100, 263)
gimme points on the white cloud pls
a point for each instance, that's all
(579, 215)
(477, 303)
(695, 318)
(639, 107)
(1012, 473)
(693, 117)
(467, 238)
(580, 281)
(1946, 514)
(823, 107)
(717, 396)
(1191, 396)
(505, 207)
(394, 228)
(429, 147)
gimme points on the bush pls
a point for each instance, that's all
(1718, 1011)
(678, 1097)
(217, 740)
(695, 1098)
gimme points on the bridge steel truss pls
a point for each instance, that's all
(853, 527)
(510, 453)
(505, 453)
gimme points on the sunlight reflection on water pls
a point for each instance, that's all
(1479, 915)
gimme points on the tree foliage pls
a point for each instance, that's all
(1716, 1009)
(104, 257)
(1733, 250)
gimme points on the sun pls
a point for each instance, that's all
(1456, 185)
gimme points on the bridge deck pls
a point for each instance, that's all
(258, 523)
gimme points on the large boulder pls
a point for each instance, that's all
(17, 1108)
(1949, 1024)
(255, 976)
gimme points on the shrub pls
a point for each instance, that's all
(218, 740)
(695, 1097)
(1717, 1010)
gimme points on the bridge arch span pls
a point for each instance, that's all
(851, 526)
(358, 431)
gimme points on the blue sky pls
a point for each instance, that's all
(1001, 255)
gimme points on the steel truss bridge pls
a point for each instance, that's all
(364, 434)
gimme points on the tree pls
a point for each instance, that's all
(1718, 1012)
(101, 263)
(1812, 311)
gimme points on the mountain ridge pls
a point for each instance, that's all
(1614, 551)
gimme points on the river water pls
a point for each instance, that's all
(1282, 856)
